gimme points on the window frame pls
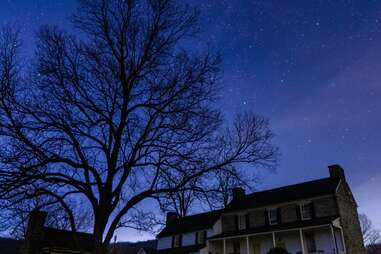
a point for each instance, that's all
(302, 206)
(201, 235)
(269, 211)
(241, 221)
(310, 243)
(177, 238)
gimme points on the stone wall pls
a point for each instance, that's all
(325, 206)
(349, 220)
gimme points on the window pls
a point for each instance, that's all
(305, 210)
(310, 242)
(236, 247)
(241, 221)
(273, 216)
(201, 237)
(177, 241)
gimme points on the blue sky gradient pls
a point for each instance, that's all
(312, 67)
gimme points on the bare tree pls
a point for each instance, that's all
(116, 113)
(14, 217)
(220, 193)
(181, 202)
(370, 234)
(215, 193)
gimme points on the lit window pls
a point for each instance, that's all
(177, 241)
(305, 211)
(273, 216)
(242, 222)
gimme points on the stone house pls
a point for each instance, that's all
(45, 240)
(319, 216)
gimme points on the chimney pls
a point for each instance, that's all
(171, 217)
(238, 192)
(36, 224)
(35, 232)
(336, 171)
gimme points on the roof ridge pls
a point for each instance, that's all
(288, 186)
(203, 213)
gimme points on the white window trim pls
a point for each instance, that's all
(269, 217)
(178, 238)
(301, 210)
(313, 238)
(200, 236)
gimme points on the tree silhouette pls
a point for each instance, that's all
(115, 113)
(370, 234)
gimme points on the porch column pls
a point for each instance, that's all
(302, 240)
(224, 246)
(247, 245)
(274, 242)
(333, 239)
(343, 240)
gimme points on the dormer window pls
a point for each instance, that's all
(305, 210)
(273, 216)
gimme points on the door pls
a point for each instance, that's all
(257, 248)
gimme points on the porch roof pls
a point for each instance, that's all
(278, 227)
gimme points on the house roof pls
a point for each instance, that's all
(67, 240)
(191, 223)
(279, 227)
(316, 188)
(311, 189)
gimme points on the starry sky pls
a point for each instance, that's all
(312, 67)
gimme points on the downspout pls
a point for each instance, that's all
(334, 238)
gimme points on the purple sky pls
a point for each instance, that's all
(312, 67)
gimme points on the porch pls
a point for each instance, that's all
(326, 239)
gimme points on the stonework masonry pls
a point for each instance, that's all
(325, 206)
(349, 220)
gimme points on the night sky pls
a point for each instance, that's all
(312, 67)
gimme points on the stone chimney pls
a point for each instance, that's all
(336, 171)
(35, 232)
(238, 192)
(171, 217)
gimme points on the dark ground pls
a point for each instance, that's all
(9, 246)
(12, 246)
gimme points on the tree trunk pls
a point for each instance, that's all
(99, 227)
